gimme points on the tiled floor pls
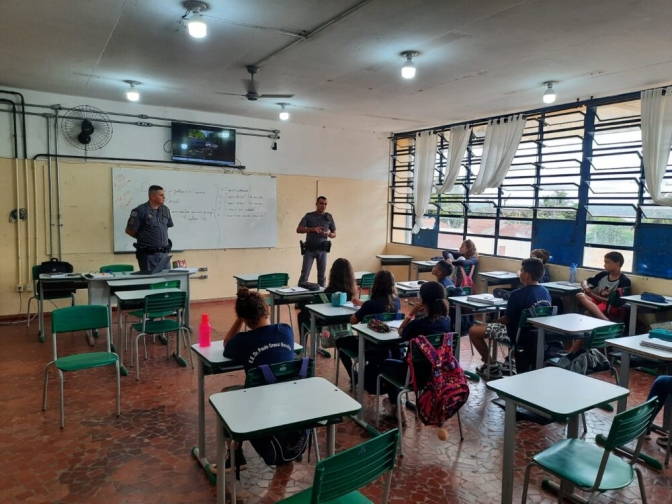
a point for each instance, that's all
(144, 456)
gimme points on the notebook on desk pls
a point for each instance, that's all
(161, 265)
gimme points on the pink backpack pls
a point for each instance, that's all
(466, 280)
(446, 391)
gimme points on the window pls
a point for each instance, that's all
(581, 166)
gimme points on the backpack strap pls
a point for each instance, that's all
(269, 377)
(303, 373)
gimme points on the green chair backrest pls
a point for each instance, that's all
(271, 280)
(79, 318)
(165, 302)
(367, 280)
(385, 317)
(601, 334)
(538, 311)
(283, 371)
(36, 272)
(116, 268)
(170, 284)
(436, 340)
(354, 468)
(630, 425)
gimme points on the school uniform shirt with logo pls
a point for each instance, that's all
(447, 282)
(264, 345)
(375, 307)
(602, 286)
(530, 296)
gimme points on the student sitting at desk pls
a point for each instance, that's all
(442, 270)
(543, 255)
(262, 344)
(341, 279)
(661, 388)
(384, 299)
(598, 289)
(466, 263)
(530, 295)
(436, 321)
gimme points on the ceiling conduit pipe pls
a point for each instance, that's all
(50, 212)
(58, 185)
(23, 120)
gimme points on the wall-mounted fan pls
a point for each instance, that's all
(252, 93)
(86, 127)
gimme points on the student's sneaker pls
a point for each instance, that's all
(391, 411)
(495, 370)
(508, 367)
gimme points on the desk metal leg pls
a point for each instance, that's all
(633, 319)
(221, 461)
(508, 450)
(458, 320)
(272, 309)
(40, 310)
(331, 439)
(567, 488)
(417, 273)
(541, 342)
(623, 380)
(122, 369)
(361, 366)
(198, 452)
(313, 329)
(409, 271)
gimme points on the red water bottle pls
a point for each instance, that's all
(204, 331)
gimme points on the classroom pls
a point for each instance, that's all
(528, 124)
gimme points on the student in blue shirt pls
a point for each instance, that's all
(384, 299)
(442, 270)
(467, 260)
(264, 343)
(530, 295)
(436, 321)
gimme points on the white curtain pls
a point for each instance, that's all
(457, 145)
(656, 140)
(501, 142)
(423, 174)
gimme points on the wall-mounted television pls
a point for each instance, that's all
(193, 143)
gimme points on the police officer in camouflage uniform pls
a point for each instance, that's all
(318, 226)
(149, 224)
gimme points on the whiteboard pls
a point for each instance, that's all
(210, 210)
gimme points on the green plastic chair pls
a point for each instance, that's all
(80, 318)
(116, 268)
(338, 478)
(354, 356)
(272, 280)
(539, 311)
(174, 303)
(35, 272)
(406, 387)
(366, 283)
(594, 469)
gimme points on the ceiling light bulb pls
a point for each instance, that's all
(549, 94)
(408, 70)
(284, 115)
(196, 26)
(133, 94)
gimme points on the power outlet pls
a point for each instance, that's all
(202, 269)
(203, 277)
(19, 288)
(29, 287)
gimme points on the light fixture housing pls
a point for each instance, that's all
(283, 115)
(132, 94)
(549, 95)
(196, 24)
(408, 70)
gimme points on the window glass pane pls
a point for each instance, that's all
(516, 229)
(452, 224)
(605, 234)
(513, 248)
(481, 226)
(594, 258)
(401, 236)
(483, 244)
(450, 241)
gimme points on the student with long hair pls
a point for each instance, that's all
(465, 262)
(264, 343)
(383, 299)
(436, 321)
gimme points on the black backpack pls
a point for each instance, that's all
(54, 266)
(282, 447)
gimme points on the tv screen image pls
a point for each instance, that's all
(193, 143)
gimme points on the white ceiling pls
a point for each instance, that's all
(477, 58)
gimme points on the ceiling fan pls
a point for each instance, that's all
(252, 93)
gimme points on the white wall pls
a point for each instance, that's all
(302, 150)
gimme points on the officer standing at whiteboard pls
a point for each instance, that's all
(318, 227)
(149, 224)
